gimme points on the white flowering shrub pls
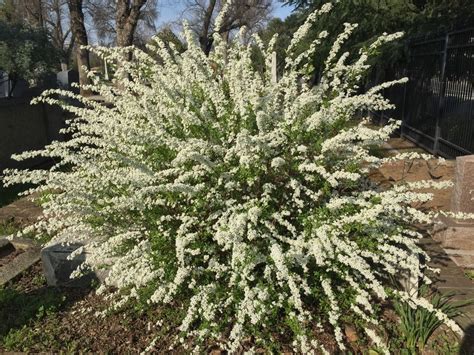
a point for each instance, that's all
(243, 202)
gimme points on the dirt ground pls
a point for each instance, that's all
(418, 170)
(64, 319)
(8, 253)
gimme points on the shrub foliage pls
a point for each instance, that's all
(244, 202)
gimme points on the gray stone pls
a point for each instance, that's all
(4, 242)
(463, 193)
(58, 268)
(21, 262)
(66, 78)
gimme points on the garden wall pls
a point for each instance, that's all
(26, 127)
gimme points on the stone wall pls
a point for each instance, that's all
(26, 127)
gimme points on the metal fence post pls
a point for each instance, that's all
(442, 91)
(403, 118)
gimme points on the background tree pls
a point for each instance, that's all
(123, 23)
(414, 17)
(126, 19)
(285, 29)
(80, 36)
(169, 38)
(52, 16)
(30, 12)
(57, 22)
(202, 13)
(25, 53)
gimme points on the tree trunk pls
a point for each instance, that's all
(58, 36)
(80, 37)
(128, 13)
(204, 39)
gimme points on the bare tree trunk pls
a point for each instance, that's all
(80, 37)
(128, 13)
(248, 13)
(204, 39)
(59, 38)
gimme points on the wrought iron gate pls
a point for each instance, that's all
(436, 106)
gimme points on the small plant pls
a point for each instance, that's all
(417, 325)
(469, 274)
(39, 337)
(8, 228)
(18, 309)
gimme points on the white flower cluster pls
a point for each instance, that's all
(245, 202)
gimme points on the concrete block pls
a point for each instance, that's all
(58, 268)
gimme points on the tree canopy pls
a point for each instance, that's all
(374, 17)
(25, 52)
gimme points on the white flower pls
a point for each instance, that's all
(277, 162)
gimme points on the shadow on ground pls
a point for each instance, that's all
(27, 299)
(467, 343)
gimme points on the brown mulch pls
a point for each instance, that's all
(75, 326)
(21, 213)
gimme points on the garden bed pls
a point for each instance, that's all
(38, 318)
(49, 322)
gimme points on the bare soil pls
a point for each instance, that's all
(8, 253)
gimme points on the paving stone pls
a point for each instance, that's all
(463, 258)
(453, 233)
(22, 261)
(457, 238)
(451, 280)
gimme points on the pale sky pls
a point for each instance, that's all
(171, 10)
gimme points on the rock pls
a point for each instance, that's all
(454, 234)
(351, 333)
(58, 268)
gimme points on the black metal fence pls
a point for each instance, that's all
(436, 106)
